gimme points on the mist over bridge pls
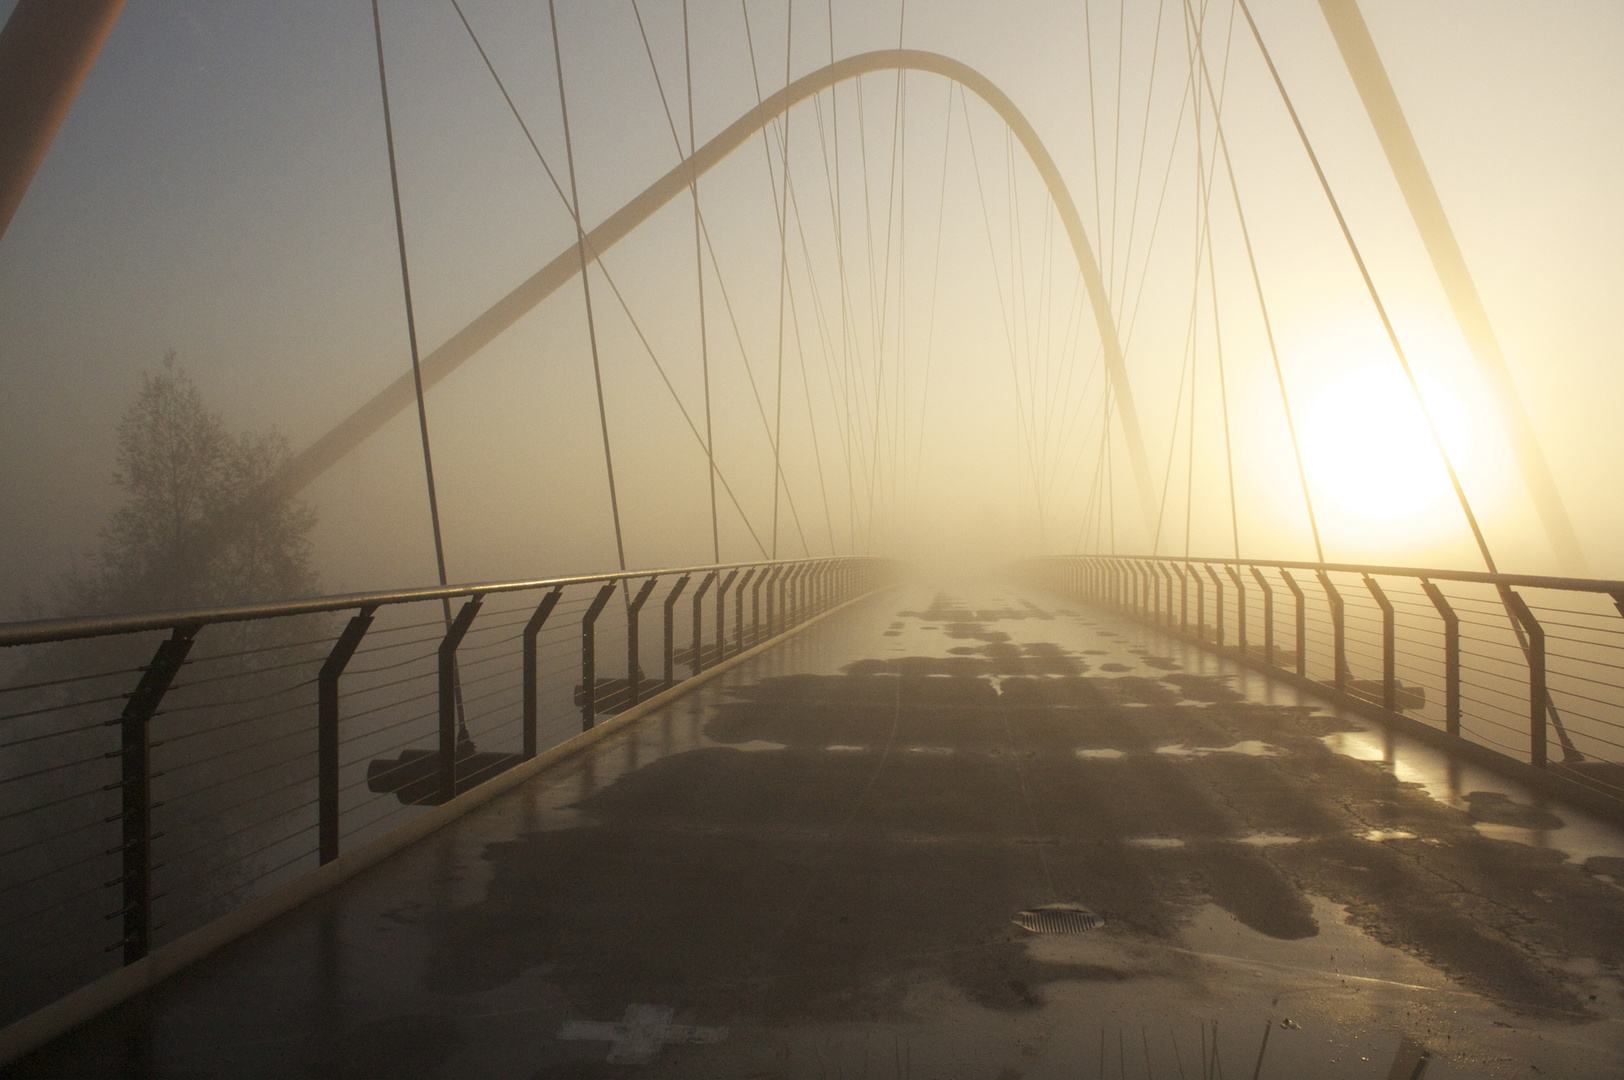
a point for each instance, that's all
(313, 740)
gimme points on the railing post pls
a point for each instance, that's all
(738, 611)
(671, 629)
(1339, 653)
(1389, 647)
(589, 656)
(698, 664)
(634, 659)
(1184, 597)
(1268, 615)
(327, 732)
(448, 696)
(775, 599)
(1217, 605)
(721, 615)
(1240, 606)
(782, 608)
(1302, 623)
(1535, 652)
(1200, 603)
(532, 629)
(135, 750)
(755, 604)
(1451, 656)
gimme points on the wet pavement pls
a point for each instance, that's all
(819, 865)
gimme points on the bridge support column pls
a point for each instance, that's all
(327, 732)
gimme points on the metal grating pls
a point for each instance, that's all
(1059, 919)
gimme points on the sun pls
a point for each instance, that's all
(1366, 443)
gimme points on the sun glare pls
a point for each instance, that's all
(1367, 446)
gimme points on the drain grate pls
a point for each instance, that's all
(1059, 919)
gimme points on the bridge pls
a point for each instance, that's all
(896, 777)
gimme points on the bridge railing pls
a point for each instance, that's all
(158, 771)
(1528, 669)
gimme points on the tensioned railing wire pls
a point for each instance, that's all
(1531, 671)
(158, 771)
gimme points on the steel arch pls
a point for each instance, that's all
(461, 346)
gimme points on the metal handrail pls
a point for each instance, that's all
(120, 747)
(42, 631)
(1529, 581)
(1585, 773)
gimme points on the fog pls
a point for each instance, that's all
(221, 190)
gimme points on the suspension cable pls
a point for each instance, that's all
(1263, 307)
(1205, 194)
(709, 248)
(1375, 296)
(699, 265)
(411, 316)
(782, 206)
(935, 281)
(586, 288)
(608, 277)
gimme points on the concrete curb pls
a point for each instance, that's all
(63, 1015)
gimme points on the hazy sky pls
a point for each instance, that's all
(221, 189)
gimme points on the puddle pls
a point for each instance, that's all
(1359, 745)
(1248, 747)
(755, 746)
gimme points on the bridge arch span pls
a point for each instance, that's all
(461, 346)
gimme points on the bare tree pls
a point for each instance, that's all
(198, 526)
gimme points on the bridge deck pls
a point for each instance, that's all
(811, 867)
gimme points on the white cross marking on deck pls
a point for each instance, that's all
(639, 1038)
